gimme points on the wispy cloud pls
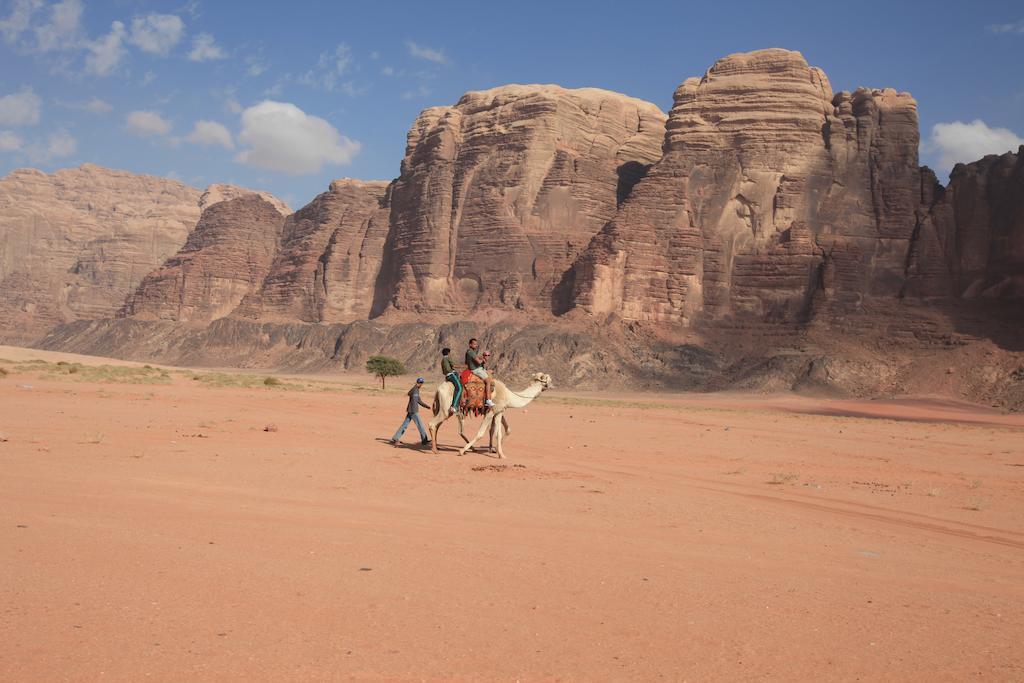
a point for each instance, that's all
(211, 134)
(1013, 27)
(205, 49)
(94, 106)
(106, 53)
(421, 91)
(9, 141)
(157, 33)
(427, 53)
(147, 124)
(20, 109)
(331, 71)
(58, 145)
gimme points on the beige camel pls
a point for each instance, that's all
(504, 398)
(442, 402)
(498, 428)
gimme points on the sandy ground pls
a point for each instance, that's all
(156, 531)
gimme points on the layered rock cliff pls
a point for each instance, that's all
(225, 258)
(971, 238)
(330, 258)
(499, 193)
(75, 243)
(772, 190)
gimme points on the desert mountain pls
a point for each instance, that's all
(500, 192)
(767, 233)
(225, 258)
(76, 243)
(329, 258)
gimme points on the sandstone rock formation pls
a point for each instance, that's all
(73, 244)
(76, 243)
(499, 193)
(330, 258)
(221, 192)
(771, 189)
(971, 238)
(225, 258)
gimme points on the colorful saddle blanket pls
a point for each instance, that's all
(472, 402)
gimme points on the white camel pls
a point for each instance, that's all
(494, 420)
(440, 408)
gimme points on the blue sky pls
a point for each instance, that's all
(286, 97)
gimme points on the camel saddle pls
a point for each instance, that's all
(472, 402)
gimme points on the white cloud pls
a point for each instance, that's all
(64, 29)
(157, 33)
(340, 61)
(328, 72)
(98, 106)
(1013, 27)
(107, 52)
(256, 66)
(18, 21)
(20, 108)
(93, 106)
(9, 141)
(421, 91)
(281, 137)
(427, 53)
(146, 124)
(958, 142)
(204, 49)
(148, 78)
(61, 144)
(388, 71)
(58, 145)
(209, 134)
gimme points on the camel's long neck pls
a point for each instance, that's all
(519, 399)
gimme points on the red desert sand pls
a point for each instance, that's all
(154, 525)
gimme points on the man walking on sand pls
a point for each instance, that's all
(475, 363)
(412, 414)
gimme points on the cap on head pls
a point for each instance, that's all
(419, 380)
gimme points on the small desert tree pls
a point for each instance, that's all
(382, 366)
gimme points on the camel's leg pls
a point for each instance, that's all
(505, 428)
(462, 427)
(490, 435)
(499, 430)
(484, 426)
(434, 426)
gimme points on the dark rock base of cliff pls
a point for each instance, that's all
(973, 352)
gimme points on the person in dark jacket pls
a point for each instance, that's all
(412, 414)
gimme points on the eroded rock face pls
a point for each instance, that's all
(221, 192)
(75, 243)
(330, 258)
(971, 241)
(770, 188)
(499, 193)
(225, 258)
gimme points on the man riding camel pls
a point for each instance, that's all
(475, 361)
(450, 374)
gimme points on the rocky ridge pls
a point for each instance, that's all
(772, 190)
(225, 258)
(498, 193)
(328, 264)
